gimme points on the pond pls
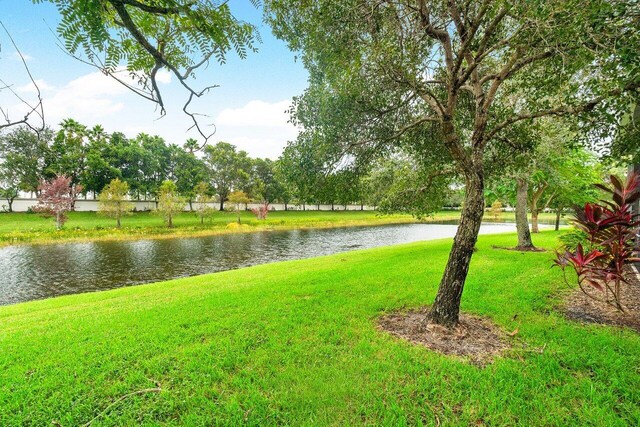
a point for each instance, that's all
(43, 271)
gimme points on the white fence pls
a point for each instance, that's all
(82, 205)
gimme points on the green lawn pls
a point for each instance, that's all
(296, 343)
(16, 228)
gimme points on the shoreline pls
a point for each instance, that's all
(133, 233)
(205, 232)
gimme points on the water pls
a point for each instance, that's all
(43, 271)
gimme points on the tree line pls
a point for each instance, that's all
(554, 174)
(92, 158)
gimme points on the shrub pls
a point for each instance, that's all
(610, 229)
(496, 209)
(262, 211)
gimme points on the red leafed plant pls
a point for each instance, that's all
(57, 198)
(611, 230)
(262, 211)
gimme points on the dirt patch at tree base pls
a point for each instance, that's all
(475, 338)
(581, 308)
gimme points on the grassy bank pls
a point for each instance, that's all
(20, 228)
(296, 343)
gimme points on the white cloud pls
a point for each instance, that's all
(86, 98)
(163, 77)
(256, 113)
(25, 56)
(30, 88)
(260, 128)
(269, 146)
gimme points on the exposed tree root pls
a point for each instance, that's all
(475, 338)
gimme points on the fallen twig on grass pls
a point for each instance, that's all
(118, 400)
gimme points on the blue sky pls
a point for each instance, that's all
(248, 108)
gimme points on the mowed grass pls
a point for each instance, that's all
(18, 228)
(296, 343)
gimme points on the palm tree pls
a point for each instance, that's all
(191, 145)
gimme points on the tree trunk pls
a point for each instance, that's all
(285, 206)
(201, 219)
(522, 224)
(331, 206)
(190, 205)
(557, 219)
(362, 206)
(170, 221)
(118, 222)
(535, 198)
(446, 308)
(221, 203)
(534, 220)
(10, 201)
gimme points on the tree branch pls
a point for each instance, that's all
(154, 9)
(564, 109)
(37, 109)
(162, 61)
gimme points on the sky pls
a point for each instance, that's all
(248, 108)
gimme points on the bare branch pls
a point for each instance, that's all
(37, 109)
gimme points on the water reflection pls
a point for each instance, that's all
(35, 272)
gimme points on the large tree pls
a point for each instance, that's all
(187, 170)
(23, 151)
(265, 183)
(229, 169)
(301, 166)
(67, 154)
(103, 160)
(432, 75)
(155, 163)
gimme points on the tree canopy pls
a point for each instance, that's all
(436, 78)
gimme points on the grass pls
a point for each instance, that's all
(295, 343)
(20, 228)
(16, 228)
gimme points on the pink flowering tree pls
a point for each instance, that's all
(262, 211)
(57, 198)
